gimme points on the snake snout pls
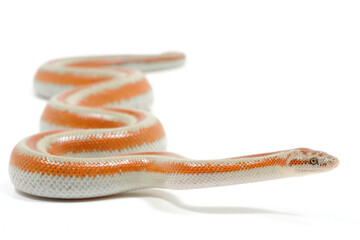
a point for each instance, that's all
(331, 162)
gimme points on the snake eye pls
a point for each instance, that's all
(314, 161)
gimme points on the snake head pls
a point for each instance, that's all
(305, 161)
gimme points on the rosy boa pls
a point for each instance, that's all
(97, 141)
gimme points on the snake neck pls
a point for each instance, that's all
(182, 173)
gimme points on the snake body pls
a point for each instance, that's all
(97, 139)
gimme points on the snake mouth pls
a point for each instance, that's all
(329, 165)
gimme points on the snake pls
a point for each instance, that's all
(98, 137)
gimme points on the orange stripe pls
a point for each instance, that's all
(109, 142)
(63, 96)
(68, 169)
(93, 169)
(168, 154)
(298, 162)
(139, 115)
(117, 94)
(32, 141)
(73, 120)
(67, 78)
(126, 60)
(260, 154)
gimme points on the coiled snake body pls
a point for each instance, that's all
(97, 141)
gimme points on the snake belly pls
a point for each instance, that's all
(98, 138)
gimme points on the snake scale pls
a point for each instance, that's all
(97, 137)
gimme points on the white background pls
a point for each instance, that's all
(260, 76)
